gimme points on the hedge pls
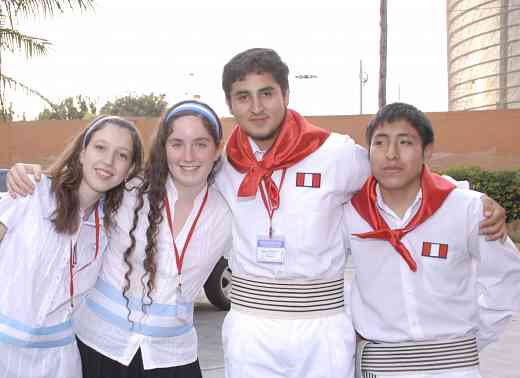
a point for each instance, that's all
(502, 186)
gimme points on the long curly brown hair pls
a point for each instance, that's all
(66, 174)
(154, 187)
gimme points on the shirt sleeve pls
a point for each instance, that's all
(356, 161)
(346, 232)
(222, 235)
(498, 280)
(12, 211)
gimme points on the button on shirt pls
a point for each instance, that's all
(472, 291)
(309, 217)
(164, 339)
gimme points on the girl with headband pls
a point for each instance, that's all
(171, 229)
(51, 246)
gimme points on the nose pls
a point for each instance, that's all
(109, 157)
(187, 153)
(392, 151)
(256, 105)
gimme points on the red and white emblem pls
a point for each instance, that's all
(438, 250)
(308, 180)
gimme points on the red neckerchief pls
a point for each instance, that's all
(297, 139)
(435, 190)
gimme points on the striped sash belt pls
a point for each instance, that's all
(287, 299)
(24, 335)
(418, 357)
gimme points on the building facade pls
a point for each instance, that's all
(483, 54)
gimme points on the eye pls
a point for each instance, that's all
(242, 97)
(124, 156)
(201, 145)
(406, 142)
(267, 94)
(99, 147)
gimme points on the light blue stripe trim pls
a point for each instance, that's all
(6, 339)
(35, 331)
(142, 329)
(156, 309)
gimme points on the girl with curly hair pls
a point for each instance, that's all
(171, 229)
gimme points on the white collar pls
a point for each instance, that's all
(409, 213)
(259, 153)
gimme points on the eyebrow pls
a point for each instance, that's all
(264, 89)
(398, 135)
(102, 140)
(172, 138)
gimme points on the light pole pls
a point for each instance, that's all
(363, 78)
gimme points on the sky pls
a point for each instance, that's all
(179, 48)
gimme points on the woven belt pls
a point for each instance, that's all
(287, 299)
(421, 357)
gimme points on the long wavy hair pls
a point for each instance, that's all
(154, 187)
(66, 174)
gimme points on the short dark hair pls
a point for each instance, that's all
(400, 111)
(257, 60)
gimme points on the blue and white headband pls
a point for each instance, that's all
(95, 124)
(198, 109)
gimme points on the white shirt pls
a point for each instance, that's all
(35, 309)
(473, 291)
(164, 339)
(309, 218)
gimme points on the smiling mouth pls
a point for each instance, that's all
(103, 173)
(189, 168)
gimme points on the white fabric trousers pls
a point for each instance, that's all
(282, 348)
(59, 362)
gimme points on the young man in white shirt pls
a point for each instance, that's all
(286, 182)
(428, 292)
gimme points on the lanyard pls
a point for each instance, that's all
(268, 205)
(179, 258)
(73, 258)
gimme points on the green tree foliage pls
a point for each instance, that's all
(502, 186)
(150, 105)
(78, 107)
(15, 41)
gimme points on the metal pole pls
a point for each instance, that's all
(360, 87)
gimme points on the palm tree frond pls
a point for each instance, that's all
(13, 40)
(7, 81)
(48, 7)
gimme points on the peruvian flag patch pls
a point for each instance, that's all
(438, 250)
(308, 180)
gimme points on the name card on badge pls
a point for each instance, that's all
(270, 250)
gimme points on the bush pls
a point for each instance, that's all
(502, 186)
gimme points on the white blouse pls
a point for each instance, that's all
(164, 338)
(36, 335)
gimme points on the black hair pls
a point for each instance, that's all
(400, 111)
(256, 60)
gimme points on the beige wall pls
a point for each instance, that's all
(489, 139)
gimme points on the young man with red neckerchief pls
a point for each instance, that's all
(428, 291)
(286, 182)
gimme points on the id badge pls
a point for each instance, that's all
(183, 307)
(270, 250)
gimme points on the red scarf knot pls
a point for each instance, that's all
(435, 190)
(297, 139)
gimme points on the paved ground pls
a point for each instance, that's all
(499, 360)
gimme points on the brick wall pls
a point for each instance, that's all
(489, 139)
